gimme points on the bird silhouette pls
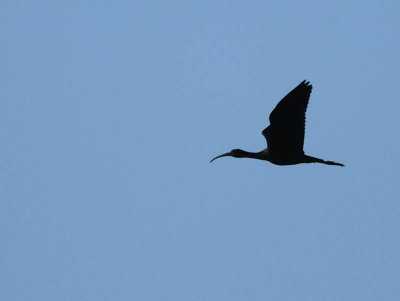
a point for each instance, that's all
(285, 134)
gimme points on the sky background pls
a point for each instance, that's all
(111, 111)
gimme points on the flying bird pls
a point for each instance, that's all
(285, 134)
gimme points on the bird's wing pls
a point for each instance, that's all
(285, 134)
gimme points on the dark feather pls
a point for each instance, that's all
(285, 134)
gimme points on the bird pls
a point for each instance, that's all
(285, 133)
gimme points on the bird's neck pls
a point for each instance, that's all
(258, 155)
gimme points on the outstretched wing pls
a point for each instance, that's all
(285, 134)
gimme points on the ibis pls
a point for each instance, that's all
(285, 134)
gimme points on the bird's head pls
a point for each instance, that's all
(236, 153)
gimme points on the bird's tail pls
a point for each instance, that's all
(309, 159)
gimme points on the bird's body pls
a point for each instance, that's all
(285, 134)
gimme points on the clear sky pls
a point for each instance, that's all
(111, 111)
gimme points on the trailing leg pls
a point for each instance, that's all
(309, 159)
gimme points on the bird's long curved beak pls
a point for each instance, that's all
(223, 155)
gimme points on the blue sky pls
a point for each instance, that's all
(111, 111)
